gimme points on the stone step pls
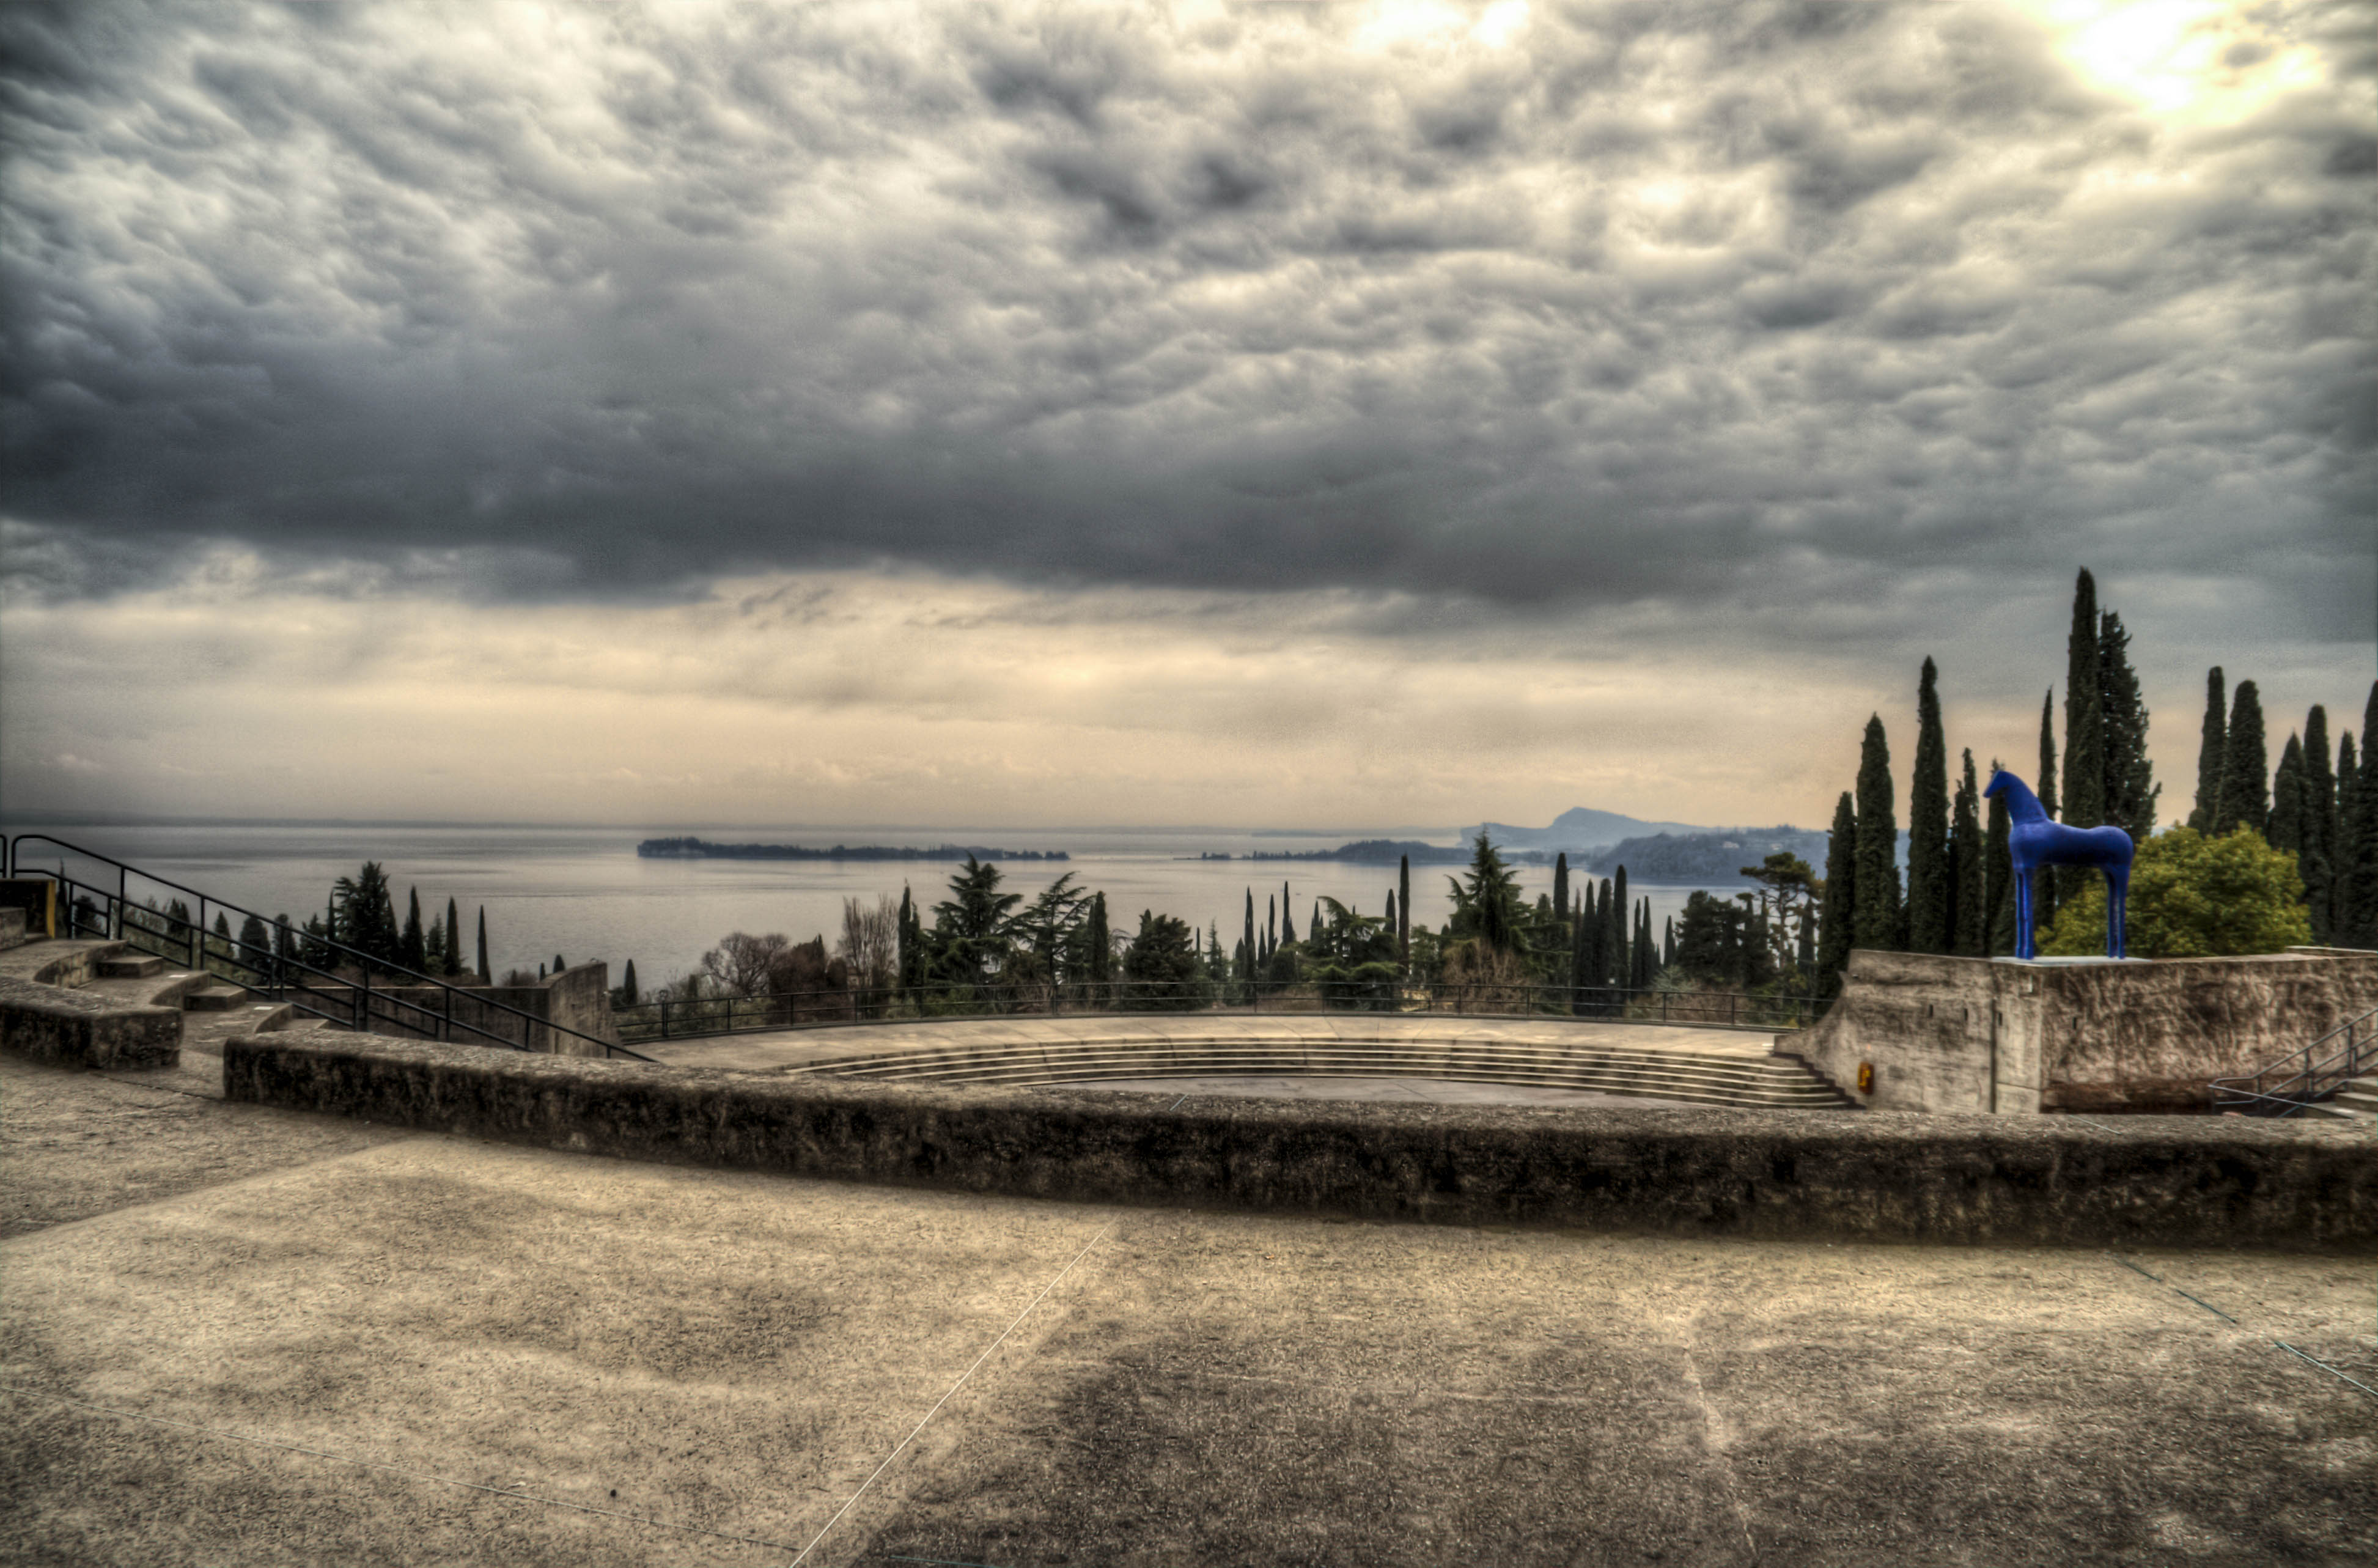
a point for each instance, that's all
(213, 999)
(131, 967)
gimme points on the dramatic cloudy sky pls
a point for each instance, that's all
(1358, 413)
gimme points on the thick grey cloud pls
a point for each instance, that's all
(1644, 302)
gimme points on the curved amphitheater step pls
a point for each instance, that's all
(1693, 1067)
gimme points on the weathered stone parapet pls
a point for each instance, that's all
(2001, 1035)
(2174, 1181)
(577, 998)
(69, 1028)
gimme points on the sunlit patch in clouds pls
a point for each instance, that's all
(2197, 60)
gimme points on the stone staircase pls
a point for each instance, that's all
(97, 1003)
(2357, 1099)
(1699, 1078)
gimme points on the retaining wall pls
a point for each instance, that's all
(70, 1028)
(578, 997)
(2175, 1181)
(2000, 1035)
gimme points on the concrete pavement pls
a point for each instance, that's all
(273, 1338)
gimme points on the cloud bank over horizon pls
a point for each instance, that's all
(1821, 334)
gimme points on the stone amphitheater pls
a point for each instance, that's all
(1091, 1292)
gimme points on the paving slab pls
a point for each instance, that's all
(434, 1350)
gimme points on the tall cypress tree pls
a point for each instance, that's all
(1247, 943)
(2317, 863)
(1560, 886)
(2130, 791)
(2287, 824)
(2348, 839)
(2245, 768)
(1286, 917)
(1577, 951)
(1403, 912)
(2209, 748)
(1966, 930)
(453, 939)
(1616, 969)
(1101, 942)
(412, 946)
(2043, 892)
(2361, 886)
(904, 961)
(485, 973)
(1929, 928)
(1271, 925)
(1837, 911)
(1998, 878)
(2084, 730)
(1877, 920)
(627, 985)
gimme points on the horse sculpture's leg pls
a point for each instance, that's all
(2117, 911)
(2023, 912)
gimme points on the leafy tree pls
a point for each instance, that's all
(2213, 741)
(1160, 968)
(1351, 956)
(741, 964)
(1786, 905)
(1875, 911)
(970, 927)
(1487, 908)
(2245, 768)
(1047, 924)
(365, 918)
(2130, 791)
(2193, 896)
(1968, 928)
(1716, 943)
(1930, 927)
(255, 942)
(1837, 912)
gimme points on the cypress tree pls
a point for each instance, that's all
(453, 939)
(2361, 886)
(1929, 928)
(1668, 942)
(905, 959)
(1576, 953)
(2286, 827)
(1403, 927)
(1247, 943)
(2085, 717)
(1876, 916)
(1836, 913)
(2209, 748)
(2043, 892)
(1560, 886)
(485, 973)
(1998, 878)
(2348, 839)
(1965, 927)
(2317, 864)
(627, 985)
(1271, 926)
(2245, 768)
(1101, 942)
(1286, 917)
(412, 946)
(2130, 791)
(1615, 970)
(2084, 732)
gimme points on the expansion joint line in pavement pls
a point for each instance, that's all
(944, 1399)
(512, 1493)
(2323, 1366)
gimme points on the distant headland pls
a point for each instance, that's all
(702, 849)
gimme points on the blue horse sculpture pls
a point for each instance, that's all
(2035, 839)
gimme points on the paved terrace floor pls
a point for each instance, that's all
(792, 1048)
(234, 1334)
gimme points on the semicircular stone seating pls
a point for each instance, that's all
(1014, 1058)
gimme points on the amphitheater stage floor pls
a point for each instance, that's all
(796, 1048)
(230, 1334)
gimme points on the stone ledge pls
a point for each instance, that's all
(2162, 1182)
(71, 1028)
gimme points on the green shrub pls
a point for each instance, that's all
(2194, 897)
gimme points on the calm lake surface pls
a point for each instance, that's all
(584, 894)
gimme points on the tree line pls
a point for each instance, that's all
(2264, 862)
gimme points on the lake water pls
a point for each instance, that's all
(584, 894)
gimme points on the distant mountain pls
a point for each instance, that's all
(1579, 827)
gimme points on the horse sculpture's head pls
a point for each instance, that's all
(1999, 778)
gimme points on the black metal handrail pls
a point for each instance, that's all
(2305, 1077)
(688, 1018)
(277, 972)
